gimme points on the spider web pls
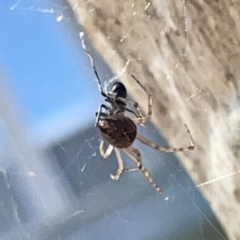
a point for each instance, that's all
(69, 193)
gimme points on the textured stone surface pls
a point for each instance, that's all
(188, 56)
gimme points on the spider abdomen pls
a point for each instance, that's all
(119, 131)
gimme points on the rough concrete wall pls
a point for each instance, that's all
(187, 54)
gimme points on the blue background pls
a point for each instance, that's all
(51, 78)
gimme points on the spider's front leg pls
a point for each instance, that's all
(100, 113)
(142, 119)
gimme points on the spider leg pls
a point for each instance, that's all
(136, 106)
(129, 110)
(142, 118)
(100, 113)
(121, 168)
(92, 62)
(105, 153)
(167, 149)
(120, 165)
(122, 108)
(135, 155)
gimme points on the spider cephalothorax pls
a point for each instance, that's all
(120, 131)
(116, 128)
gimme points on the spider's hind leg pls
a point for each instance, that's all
(121, 168)
(135, 155)
(105, 153)
(167, 149)
(120, 165)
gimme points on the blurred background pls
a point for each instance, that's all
(53, 182)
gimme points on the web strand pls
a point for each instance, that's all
(217, 179)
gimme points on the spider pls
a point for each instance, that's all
(120, 131)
